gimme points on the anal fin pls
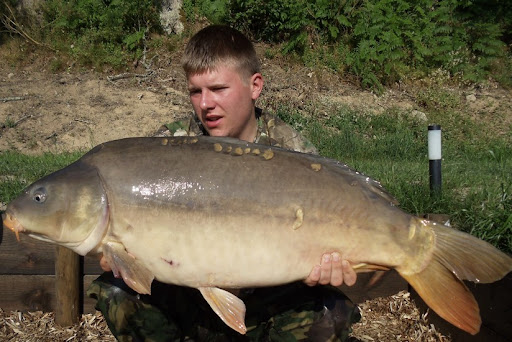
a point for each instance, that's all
(227, 306)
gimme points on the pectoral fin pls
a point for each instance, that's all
(227, 306)
(134, 273)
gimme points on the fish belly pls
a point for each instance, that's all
(248, 250)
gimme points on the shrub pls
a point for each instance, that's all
(216, 11)
(100, 32)
(383, 41)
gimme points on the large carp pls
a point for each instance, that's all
(219, 213)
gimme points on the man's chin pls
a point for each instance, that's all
(217, 132)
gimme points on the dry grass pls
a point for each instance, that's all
(41, 327)
(393, 318)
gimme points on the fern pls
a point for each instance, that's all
(383, 41)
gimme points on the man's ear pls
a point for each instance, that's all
(256, 84)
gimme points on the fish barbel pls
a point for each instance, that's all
(220, 213)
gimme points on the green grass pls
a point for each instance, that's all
(18, 171)
(392, 148)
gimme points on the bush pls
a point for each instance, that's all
(379, 41)
(3, 17)
(216, 11)
(100, 32)
(383, 41)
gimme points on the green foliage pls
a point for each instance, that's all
(501, 71)
(484, 205)
(496, 12)
(379, 41)
(436, 98)
(301, 23)
(383, 41)
(19, 170)
(363, 135)
(8, 13)
(100, 32)
(216, 11)
(3, 29)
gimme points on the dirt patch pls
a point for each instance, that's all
(78, 111)
(45, 112)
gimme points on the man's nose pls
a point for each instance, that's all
(206, 100)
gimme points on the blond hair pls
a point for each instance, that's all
(218, 44)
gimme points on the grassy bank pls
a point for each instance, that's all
(19, 170)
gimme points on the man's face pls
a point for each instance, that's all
(224, 102)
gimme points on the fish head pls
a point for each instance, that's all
(68, 207)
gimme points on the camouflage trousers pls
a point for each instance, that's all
(293, 312)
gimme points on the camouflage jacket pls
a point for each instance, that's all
(271, 131)
(287, 313)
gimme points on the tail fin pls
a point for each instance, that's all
(458, 256)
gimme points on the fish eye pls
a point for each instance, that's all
(39, 196)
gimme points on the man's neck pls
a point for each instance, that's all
(250, 131)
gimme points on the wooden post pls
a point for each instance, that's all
(67, 285)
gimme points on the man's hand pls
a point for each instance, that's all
(333, 270)
(104, 264)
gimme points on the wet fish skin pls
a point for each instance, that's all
(216, 213)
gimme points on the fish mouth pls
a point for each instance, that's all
(13, 224)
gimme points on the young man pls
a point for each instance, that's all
(224, 81)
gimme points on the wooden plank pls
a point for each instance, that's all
(36, 292)
(92, 265)
(27, 293)
(30, 256)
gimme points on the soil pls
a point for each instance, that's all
(73, 110)
(76, 110)
(41, 111)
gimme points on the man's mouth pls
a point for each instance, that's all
(212, 121)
